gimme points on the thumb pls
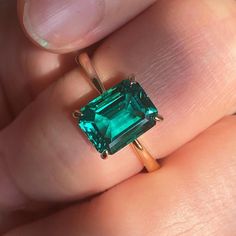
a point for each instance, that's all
(67, 25)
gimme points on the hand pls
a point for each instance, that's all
(183, 54)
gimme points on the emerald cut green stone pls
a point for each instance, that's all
(118, 117)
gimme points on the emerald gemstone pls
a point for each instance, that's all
(118, 117)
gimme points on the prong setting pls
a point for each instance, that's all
(77, 114)
(132, 79)
(138, 102)
(159, 118)
(104, 155)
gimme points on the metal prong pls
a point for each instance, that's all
(104, 155)
(159, 118)
(138, 144)
(77, 114)
(132, 79)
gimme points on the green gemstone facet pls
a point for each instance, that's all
(118, 117)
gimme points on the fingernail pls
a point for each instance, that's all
(56, 24)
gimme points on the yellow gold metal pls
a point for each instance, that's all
(84, 60)
(138, 145)
(132, 78)
(145, 157)
(159, 118)
(76, 114)
(105, 155)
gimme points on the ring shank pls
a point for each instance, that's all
(149, 162)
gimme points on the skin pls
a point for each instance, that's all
(184, 56)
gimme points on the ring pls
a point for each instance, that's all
(118, 116)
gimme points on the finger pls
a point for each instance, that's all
(25, 70)
(193, 194)
(182, 66)
(56, 156)
(50, 153)
(64, 26)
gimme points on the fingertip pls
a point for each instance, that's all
(56, 26)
